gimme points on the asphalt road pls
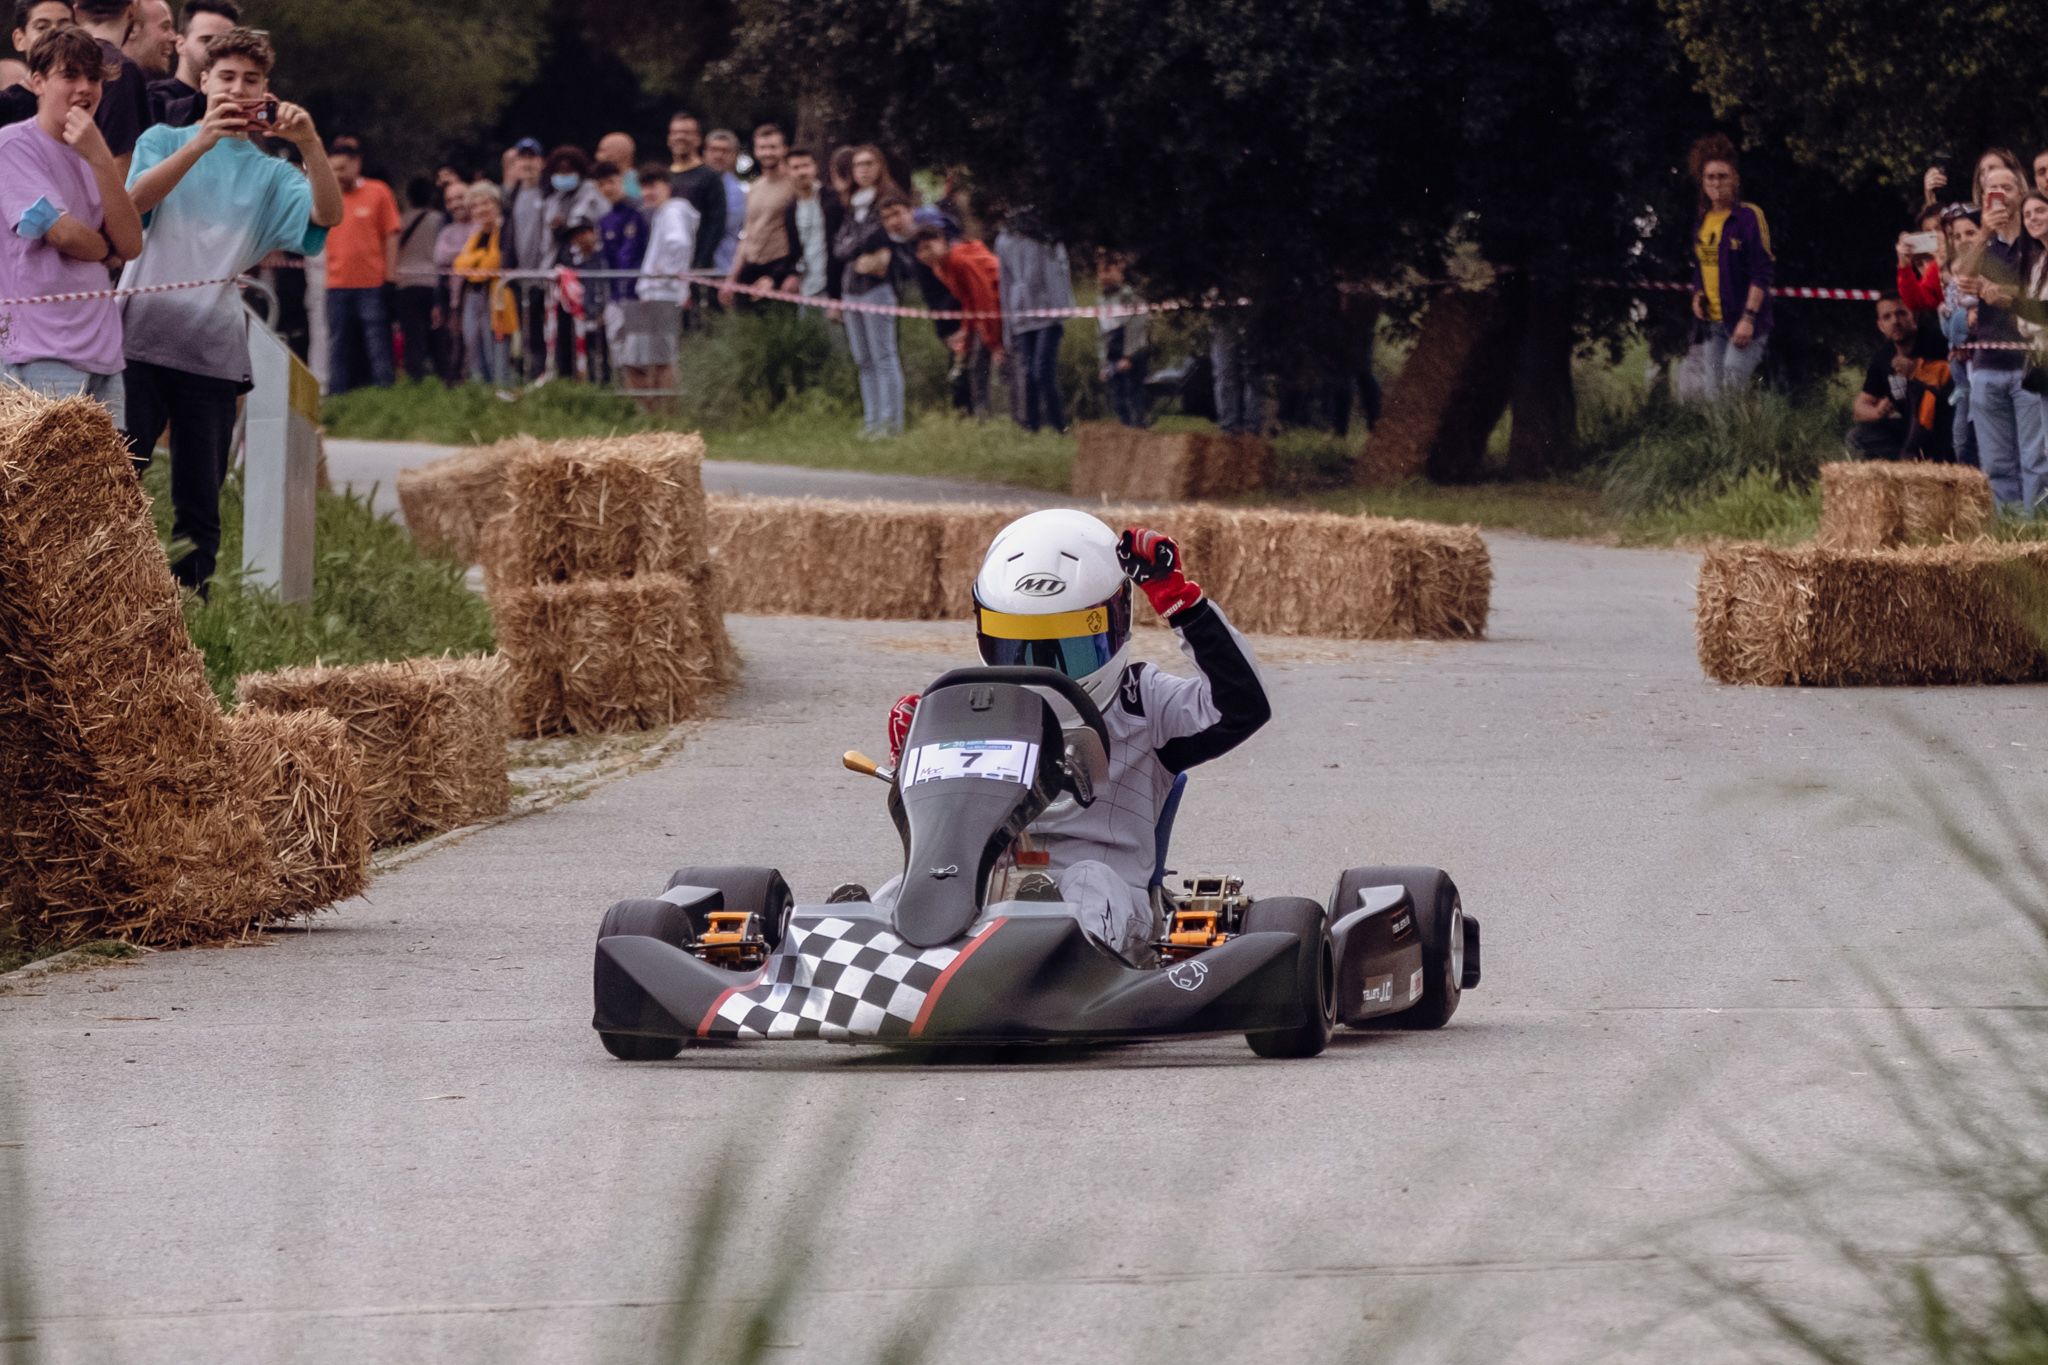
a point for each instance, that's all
(395, 1138)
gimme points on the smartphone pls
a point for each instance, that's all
(264, 113)
(1994, 199)
(1923, 243)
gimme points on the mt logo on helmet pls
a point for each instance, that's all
(1041, 585)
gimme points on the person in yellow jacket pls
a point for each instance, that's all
(490, 315)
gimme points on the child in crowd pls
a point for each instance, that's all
(66, 212)
(580, 251)
(1123, 341)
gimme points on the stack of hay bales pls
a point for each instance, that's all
(428, 735)
(1116, 461)
(129, 808)
(1819, 617)
(601, 584)
(1879, 504)
(1283, 573)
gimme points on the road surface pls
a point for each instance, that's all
(395, 1137)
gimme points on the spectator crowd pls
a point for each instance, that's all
(1957, 373)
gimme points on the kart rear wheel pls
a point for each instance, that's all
(759, 891)
(1440, 920)
(1315, 975)
(650, 919)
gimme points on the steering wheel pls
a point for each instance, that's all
(1051, 678)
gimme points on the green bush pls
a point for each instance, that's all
(374, 596)
(1680, 452)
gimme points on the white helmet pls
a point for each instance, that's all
(1051, 594)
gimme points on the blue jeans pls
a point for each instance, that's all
(1963, 434)
(1039, 359)
(489, 359)
(1240, 407)
(357, 316)
(872, 339)
(55, 379)
(2010, 437)
(1715, 366)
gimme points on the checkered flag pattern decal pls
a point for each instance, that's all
(837, 979)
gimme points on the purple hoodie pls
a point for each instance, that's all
(1745, 259)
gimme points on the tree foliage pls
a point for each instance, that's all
(1872, 92)
(411, 77)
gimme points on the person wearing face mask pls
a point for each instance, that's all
(571, 198)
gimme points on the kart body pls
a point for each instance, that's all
(724, 953)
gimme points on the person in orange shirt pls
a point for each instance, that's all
(362, 258)
(970, 273)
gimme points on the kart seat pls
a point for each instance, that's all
(1163, 834)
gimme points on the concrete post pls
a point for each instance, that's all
(281, 467)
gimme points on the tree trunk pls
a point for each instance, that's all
(1449, 396)
(1545, 411)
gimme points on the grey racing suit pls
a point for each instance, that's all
(1160, 725)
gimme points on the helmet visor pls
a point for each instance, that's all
(1077, 643)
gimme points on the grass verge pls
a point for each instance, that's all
(374, 595)
(13, 957)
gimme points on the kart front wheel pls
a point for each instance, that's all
(757, 891)
(649, 919)
(1315, 975)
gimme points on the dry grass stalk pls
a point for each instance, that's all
(1879, 504)
(125, 815)
(447, 503)
(609, 508)
(429, 733)
(1366, 578)
(1812, 616)
(612, 654)
(305, 778)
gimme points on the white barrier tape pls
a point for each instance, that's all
(87, 295)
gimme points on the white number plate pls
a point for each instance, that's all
(1005, 760)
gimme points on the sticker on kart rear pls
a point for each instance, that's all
(1415, 984)
(1379, 990)
(1005, 760)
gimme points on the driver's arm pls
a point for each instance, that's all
(1207, 716)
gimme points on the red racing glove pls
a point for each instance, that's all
(1152, 561)
(899, 724)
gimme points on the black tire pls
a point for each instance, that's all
(651, 919)
(1439, 913)
(1315, 975)
(759, 891)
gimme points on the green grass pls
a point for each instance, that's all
(374, 596)
(937, 443)
(13, 956)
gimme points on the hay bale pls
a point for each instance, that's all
(1115, 461)
(1367, 579)
(124, 813)
(447, 503)
(429, 735)
(610, 508)
(306, 781)
(611, 654)
(1879, 504)
(1813, 616)
(865, 561)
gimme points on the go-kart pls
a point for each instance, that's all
(726, 953)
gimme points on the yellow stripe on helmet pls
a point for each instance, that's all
(1059, 626)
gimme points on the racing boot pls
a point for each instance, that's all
(848, 892)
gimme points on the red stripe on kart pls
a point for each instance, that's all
(931, 997)
(704, 1028)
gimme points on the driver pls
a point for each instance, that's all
(1054, 591)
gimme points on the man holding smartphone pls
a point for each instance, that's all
(213, 204)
